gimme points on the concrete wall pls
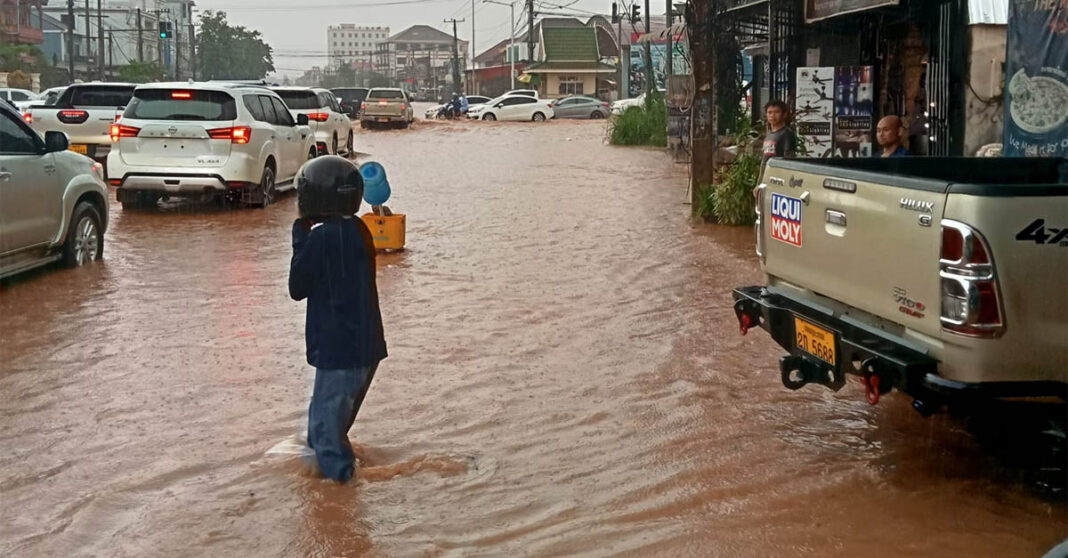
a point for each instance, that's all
(984, 100)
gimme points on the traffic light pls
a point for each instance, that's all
(635, 13)
(166, 29)
(615, 13)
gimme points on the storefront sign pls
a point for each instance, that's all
(816, 10)
(853, 103)
(1036, 71)
(814, 112)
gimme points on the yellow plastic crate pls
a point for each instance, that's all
(387, 230)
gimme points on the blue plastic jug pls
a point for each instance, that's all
(375, 186)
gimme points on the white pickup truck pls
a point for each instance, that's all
(943, 278)
(85, 112)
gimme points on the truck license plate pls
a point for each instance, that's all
(80, 148)
(815, 341)
(383, 120)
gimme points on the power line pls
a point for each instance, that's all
(301, 8)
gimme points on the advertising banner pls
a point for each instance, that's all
(814, 115)
(1036, 74)
(854, 128)
(816, 10)
(658, 52)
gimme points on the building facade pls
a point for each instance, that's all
(354, 46)
(420, 59)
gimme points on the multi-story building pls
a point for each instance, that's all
(20, 22)
(353, 46)
(420, 57)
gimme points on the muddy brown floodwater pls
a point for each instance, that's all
(566, 377)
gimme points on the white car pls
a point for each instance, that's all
(21, 98)
(527, 92)
(331, 126)
(85, 112)
(54, 201)
(226, 141)
(513, 108)
(618, 107)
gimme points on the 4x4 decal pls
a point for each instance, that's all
(1040, 234)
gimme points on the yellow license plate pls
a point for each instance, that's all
(815, 341)
(383, 120)
(79, 148)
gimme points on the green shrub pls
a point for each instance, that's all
(644, 125)
(732, 200)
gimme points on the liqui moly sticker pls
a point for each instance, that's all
(786, 219)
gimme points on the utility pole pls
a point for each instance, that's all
(530, 31)
(177, 53)
(88, 41)
(159, 43)
(100, 39)
(473, 51)
(70, 39)
(193, 50)
(455, 55)
(111, 50)
(670, 45)
(650, 72)
(703, 124)
(140, 43)
(511, 37)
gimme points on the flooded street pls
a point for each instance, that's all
(566, 376)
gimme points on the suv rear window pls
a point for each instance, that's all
(300, 100)
(385, 94)
(181, 104)
(99, 96)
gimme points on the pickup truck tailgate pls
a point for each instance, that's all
(382, 107)
(871, 246)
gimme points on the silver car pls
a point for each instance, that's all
(581, 107)
(53, 202)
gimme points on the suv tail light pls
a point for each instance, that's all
(319, 116)
(238, 134)
(971, 300)
(27, 117)
(121, 131)
(72, 116)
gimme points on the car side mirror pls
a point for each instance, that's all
(498, 105)
(56, 141)
(302, 120)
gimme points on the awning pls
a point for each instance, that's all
(676, 30)
(571, 68)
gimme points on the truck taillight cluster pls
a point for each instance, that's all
(319, 116)
(758, 193)
(119, 131)
(238, 134)
(72, 116)
(971, 303)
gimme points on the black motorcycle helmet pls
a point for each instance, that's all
(329, 186)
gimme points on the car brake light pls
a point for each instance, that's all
(72, 116)
(971, 303)
(27, 118)
(115, 181)
(238, 134)
(122, 131)
(363, 106)
(319, 116)
(181, 95)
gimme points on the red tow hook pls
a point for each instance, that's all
(871, 388)
(744, 323)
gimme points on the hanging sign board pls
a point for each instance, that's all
(814, 110)
(854, 124)
(1036, 71)
(816, 10)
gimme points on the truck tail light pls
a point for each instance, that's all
(758, 193)
(363, 106)
(238, 134)
(72, 116)
(971, 300)
(404, 106)
(27, 117)
(319, 116)
(119, 131)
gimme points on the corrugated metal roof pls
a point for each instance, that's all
(994, 12)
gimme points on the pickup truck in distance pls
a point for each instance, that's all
(386, 106)
(943, 278)
(85, 112)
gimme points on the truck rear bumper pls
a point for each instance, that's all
(893, 362)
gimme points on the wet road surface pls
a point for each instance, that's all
(566, 377)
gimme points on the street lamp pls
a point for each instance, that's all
(511, 36)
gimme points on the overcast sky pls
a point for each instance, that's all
(296, 29)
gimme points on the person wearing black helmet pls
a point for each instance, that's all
(333, 266)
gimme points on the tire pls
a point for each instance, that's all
(351, 143)
(312, 153)
(133, 201)
(597, 115)
(489, 117)
(267, 191)
(538, 117)
(85, 236)
(404, 124)
(363, 124)
(333, 145)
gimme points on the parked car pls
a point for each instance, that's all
(581, 107)
(20, 98)
(943, 278)
(218, 141)
(350, 98)
(623, 104)
(472, 101)
(50, 96)
(54, 201)
(85, 112)
(513, 108)
(386, 106)
(329, 123)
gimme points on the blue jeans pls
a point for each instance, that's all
(336, 399)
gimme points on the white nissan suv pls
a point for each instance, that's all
(220, 141)
(329, 123)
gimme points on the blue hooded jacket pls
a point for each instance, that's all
(333, 266)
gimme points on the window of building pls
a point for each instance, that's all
(570, 85)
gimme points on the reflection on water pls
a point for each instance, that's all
(566, 377)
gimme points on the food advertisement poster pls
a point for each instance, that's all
(1036, 77)
(854, 128)
(814, 114)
